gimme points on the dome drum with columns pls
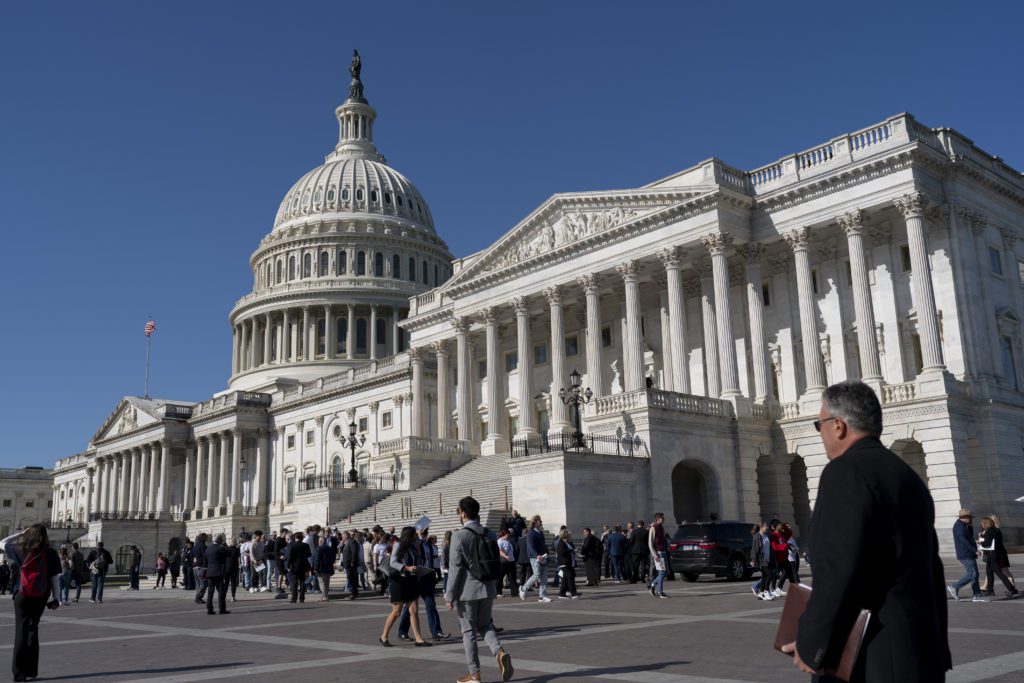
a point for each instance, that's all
(352, 242)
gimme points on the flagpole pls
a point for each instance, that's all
(149, 344)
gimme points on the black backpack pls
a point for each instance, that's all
(482, 557)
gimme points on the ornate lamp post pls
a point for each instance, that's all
(576, 396)
(352, 441)
(68, 524)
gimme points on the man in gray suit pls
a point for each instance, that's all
(471, 591)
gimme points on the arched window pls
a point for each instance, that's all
(373, 196)
(280, 271)
(382, 328)
(344, 195)
(342, 335)
(307, 265)
(387, 198)
(425, 277)
(342, 262)
(321, 335)
(396, 266)
(325, 259)
(412, 269)
(337, 469)
(378, 264)
(361, 335)
(291, 267)
(359, 195)
(361, 263)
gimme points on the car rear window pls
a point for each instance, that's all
(694, 531)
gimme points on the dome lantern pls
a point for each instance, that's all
(355, 120)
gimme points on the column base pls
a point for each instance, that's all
(875, 383)
(934, 382)
(810, 401)
(494, 445)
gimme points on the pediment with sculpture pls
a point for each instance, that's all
(129, 415)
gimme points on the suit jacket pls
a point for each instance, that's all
(216, 558)
(591, 547)
(350, 554)
(874, 547)
(199, 553)
(298, 554)
(461, 584)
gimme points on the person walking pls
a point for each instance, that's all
(425, 582)
(64, 580)
(967, 553)
(472, 588)
(99, 562)
(199, 568)
(657, 546)
(537, 550)
(565, 553)
(997, 561)
(606, 559)
(188, 576)
(404, 586)
(508, 563)
(34, 571)
(874, 547)
(297, 554)
(325, 560)
(161, 571)
(78, 570)
(523, 561)
(217, 558)
(590, 550)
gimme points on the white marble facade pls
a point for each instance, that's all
(706, 311)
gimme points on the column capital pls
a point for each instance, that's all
(440, 347)
(373, 405)
(319, 420)
(489, 315)
(671, 257)
(281, 430)
(752, 251)
(397, 399)
(627, 271)
(350, 413)
(1009, 236)
(554, 295)
(520, 306)
(717, 243)
(798, 239)
(460, 324)
(589, 283)
(374, 307)
(416, 354)
(852, 223)
(913, 204)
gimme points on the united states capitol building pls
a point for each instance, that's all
(705, 312)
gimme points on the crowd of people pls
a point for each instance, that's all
(775, 553)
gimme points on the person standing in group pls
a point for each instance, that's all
(425, 581)
(161, 571)
(34, 571)
(967, 553)
(606, 559)
(297, 554)
(78, 570)
(5, 576)
(199, 569)
(245, 562)
(188, 576)
(565, 553)
(591, 553)
(874, 547)
(258, 563)
(657, 546)
(523, 560)
(324, 568)
(135, 569)
(366, 567)
(404, 586)
(997, 561)
(641, 552)
(64, 580)
(617, 553)
(508, 563)
(446, 546)
(99, 562)
(350, 563)
(537, 550)
(174, 565)
(471, 589)
(231, 568)
(218, 560)
(276, 551)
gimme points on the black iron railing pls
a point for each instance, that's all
(382, 482)
(627, 446)
(109, 516)
(249, 511)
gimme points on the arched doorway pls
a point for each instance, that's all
(912, 453)
(694, 492)
(801, 495)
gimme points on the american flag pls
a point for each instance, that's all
(150, 326)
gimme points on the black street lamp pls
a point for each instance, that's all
(352, 441)
(68, 525)
(577, 396)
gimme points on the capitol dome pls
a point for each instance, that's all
(352, 241)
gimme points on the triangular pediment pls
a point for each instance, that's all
(569, 219)
(131, 414)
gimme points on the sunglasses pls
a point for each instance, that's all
(818, 423)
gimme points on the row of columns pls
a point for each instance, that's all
(722, 378)
(134, 480)
(296, 335)
(213, 469)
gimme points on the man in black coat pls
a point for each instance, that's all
(216, 556)
(199, 570)
(591, 552)
(874, 547)
(640, 552)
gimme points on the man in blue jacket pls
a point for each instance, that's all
(967, 553)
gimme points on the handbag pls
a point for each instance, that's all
(796, 603)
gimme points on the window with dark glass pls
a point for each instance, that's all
(342, 335)
(360, 263)
(321, 335)
(606, 336)
(396, 266)
(412, 269)
(511, 361)
(307, 265)
(378, 264)
(382, 329)
(342, 262)
(325, 260)
(361, 335)
(995, 261)
(425, 273)
(540, 354)
(280, 270)
(364, 424)
(572, 347)
(291, 267)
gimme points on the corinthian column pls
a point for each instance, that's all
(373, 331)
(236, 468)
(197, 502)
(330, 332)
(163, 501)
(589, 285)
(559, 377)
(676, 318)
(444, 409)
(462, 369)
(718, 246)
(712, 387)
(496, 441)
(525, 366)
(151, 504)
(133, 486)
(211, 500)
(853, 225)
(186, 491)
(418, 399)
(634, 352)
(224, 464)
(913, 207)
(752, 253)
(143, 501)
(798, 241)
(266, 338)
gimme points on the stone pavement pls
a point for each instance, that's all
(711, 631)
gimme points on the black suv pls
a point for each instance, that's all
(719, 548)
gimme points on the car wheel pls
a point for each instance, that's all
(737, 569)
(691, 576)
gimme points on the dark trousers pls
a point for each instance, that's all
(133, 578)
(639, 568)
(593, 566)
(27, 612)
(606, 562)
(568, 585)
(97, 586)
(218, 585)
(352, 577)
(231, 581)
(508, 571)
(298, 586)
(992, 568)
(174, 579)
(525, 572)
(161, 579)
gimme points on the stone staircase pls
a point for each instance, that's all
(486, 478)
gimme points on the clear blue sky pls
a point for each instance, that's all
(144, 146)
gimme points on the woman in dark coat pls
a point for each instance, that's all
(231, 570)
(565, 551)
(997, 562)
(297, 555)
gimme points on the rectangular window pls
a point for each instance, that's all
(849, 273)
(1020, 271)
(766, 294)
(49, 504)
(385, 420)
(481, 369)
(7, 504)
(540, 354)
(1009, 361)
(5, 530)
(606, 336)
(995, 261)
(915, 342)
(905, 258)
(309, 437)
(30, 503)
(364, 425)
(290, 490)
(511, 361)
(814, 280)
(291, 441)
(572, 346)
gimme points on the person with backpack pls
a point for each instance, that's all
(98, 561)
(473, 573)
(35, 567)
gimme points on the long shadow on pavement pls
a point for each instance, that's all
(606, 670)
(125, 672)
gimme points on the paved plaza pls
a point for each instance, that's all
(711, 631)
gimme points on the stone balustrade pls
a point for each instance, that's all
(787, 411)
(665, 400)
(419, 444)
(897, 393)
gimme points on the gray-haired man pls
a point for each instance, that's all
(471, 596)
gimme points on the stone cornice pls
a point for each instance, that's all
(398, 374)
(300, 297)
